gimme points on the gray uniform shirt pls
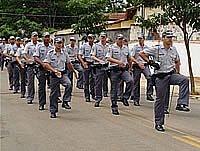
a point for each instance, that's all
(135, 52)
(2, 47)
(72, 51)
(166, 57)
(19, 54)
(100, 51)
(14, 51)
(122, 54)
(30, 49)
(85, 51)
(8, 49)
(57, 61)
(41, 51)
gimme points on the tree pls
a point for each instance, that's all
(91, 17)
(48, 13)
(182, 13)
(153, 22)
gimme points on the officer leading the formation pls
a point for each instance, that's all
(55, 62)
(166, 75)
(120, 59)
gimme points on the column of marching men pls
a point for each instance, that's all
(54, 63)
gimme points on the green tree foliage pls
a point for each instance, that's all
(39, 14)
(91, 17)
(153, 21)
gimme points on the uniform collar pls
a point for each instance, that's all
(33, 43)
(162, 47)
(54, 51)
(100, 44)
(89, 44)
(123, 46)
(71, 46)
(145, 46)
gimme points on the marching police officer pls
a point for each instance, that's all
(99, 51)
(120, 90)
(2, 48)
(72, 51)
(55, 62)
(28, 52)
(166, 75)
(140, 66)
(15, 65)
(120, 60)
(84, 56)
(21, 61)
(39, 57)
(6, 53)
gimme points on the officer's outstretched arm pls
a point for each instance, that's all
(81, 59)
(19, 61)
(48, 67)
(144, 56)
(114, 60)
(71, 67)
(27, 59)
(130, 63)
(134, 60)
(37, 60)
(98, 60)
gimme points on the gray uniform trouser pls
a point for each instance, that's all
(161, 91)
(16, 83)
(31, 84)
(98, 79)
(10, 74)
(54, 86)
(136, 79)
(88, 82)
(1, 62)
(23, 80)
(41, 75)
(105, 83)
(116, 77)
(120, 90)
(167, 97)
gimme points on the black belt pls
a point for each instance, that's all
(14, 62)
(75, 61)
(89, 62)
(99, 66)
(136, 65)
(30, 65)
(54, 75)
(162, 75)
(117, 68)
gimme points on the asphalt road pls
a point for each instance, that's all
(85, 128)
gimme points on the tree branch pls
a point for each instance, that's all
(191, 34)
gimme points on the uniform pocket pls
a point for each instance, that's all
(161, 57)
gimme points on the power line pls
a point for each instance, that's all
(35, 15)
